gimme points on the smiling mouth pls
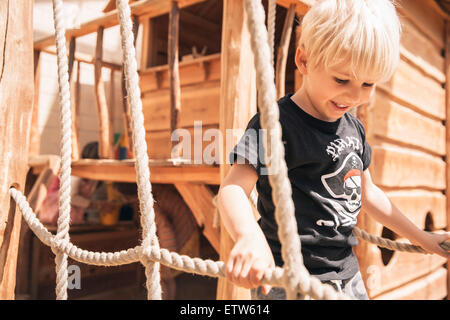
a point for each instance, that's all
(340, 106)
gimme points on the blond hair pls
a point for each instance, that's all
(364, 34)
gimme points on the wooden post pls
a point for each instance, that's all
(125, 104)
(237, 106)
(447, 129)
(199, 199)
(35, 140)
(175, 91)
(74, 98)
(280, 76)
(105, 134)
(16, 101)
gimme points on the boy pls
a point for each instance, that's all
(346, 47)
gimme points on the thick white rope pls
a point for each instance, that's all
(66, 151)
(295, 270)
(140, 148)
(274, 277)
(271, 15)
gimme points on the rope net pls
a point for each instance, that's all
(293, 276)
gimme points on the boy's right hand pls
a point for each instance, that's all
(248, 260)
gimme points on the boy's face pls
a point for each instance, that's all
(330, 94)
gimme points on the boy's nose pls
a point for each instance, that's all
(353, 97)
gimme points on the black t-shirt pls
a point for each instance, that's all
(325, 161)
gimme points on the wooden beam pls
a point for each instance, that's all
(302, 5)
(174, 74)
(105, 133)
(280, 76)
(86, 58)
(447, 129)
(161, 171)
(199, 198)
(74, 99)
(125, 103)
(16, 99)
(143, 9)
(35, 137)
(237, 106)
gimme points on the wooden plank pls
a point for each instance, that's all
(199, 103)
(415, 42)
(237, 105)
(418, 204)
(429, 287)
(302, 5)
(74, 99)
(174, 75)
(145, 44)
(426, 19)
(35, 137)
(191, 72)
(200, 148)
(16, 99)
(447, 127)
(280, 75)
(405, 126)
(105, 132)
(424, 94)
(143, 8)
(383, 269)
(160, 171)
(199, 198)
(401, 167)
(125, 103)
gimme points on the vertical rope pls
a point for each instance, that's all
(281, 191)
(271, 15)
(66, 133)
(149, 238)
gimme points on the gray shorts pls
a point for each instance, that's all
(353, 287)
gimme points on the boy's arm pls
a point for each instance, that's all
(378, 205)
(251, 254)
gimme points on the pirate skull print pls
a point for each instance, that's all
(344, 187)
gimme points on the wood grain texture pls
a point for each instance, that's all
(429, 287)
(402, 125)
(199, 198)
(16, 103)
(237, 105)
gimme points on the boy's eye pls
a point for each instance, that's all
(340, 81)
(368, 85)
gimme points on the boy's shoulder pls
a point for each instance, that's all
(352, 120)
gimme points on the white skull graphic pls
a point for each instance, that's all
(352, 188)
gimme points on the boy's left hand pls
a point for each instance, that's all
(431, 243)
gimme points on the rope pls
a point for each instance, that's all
(364, 235)
(274, 277)
(295, 271)
(271, 15)
(140, 147)
(66, 151)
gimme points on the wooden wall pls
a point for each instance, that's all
(405, 126)
(200, 93)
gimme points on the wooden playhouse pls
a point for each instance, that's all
(215, 83)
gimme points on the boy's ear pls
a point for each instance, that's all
(300, 59)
